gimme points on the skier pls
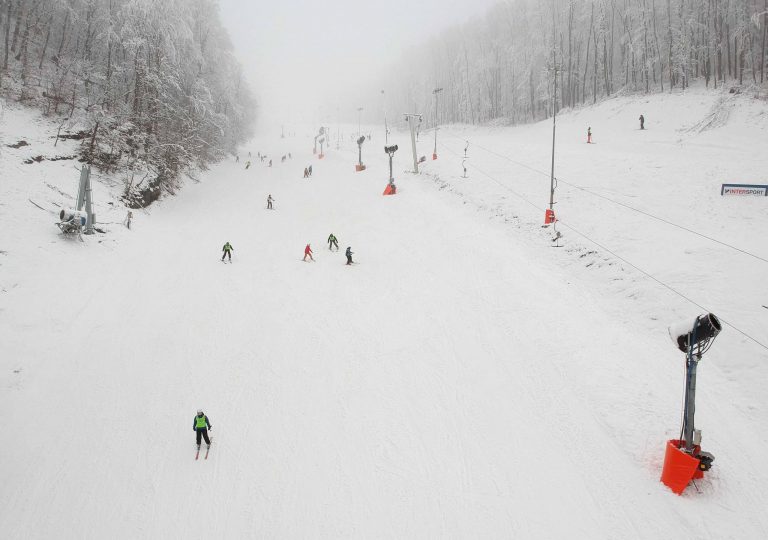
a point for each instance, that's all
(128, 219)
(310, 171)
(227, 249)
(332, 241)
(270, 162)
(589, 135)
(201, 425)
(289, 156)
(308, 253)
(247, 164)
(269, 202)
(306, 172)
(642, 122)
(237, 158)
(349, 254)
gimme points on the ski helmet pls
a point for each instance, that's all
(199, 411)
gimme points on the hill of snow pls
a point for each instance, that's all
(465, 379)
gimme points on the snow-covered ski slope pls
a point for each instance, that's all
(464, 380)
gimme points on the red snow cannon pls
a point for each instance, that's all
(390, 190)
(434, 156)
(359, 167)
(549, 216)
(683, 459)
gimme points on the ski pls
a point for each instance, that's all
(207, 450)
(197, 454)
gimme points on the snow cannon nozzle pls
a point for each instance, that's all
(361, 140)
(700, 331)
(390, 149)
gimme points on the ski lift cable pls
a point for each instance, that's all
(643, 212)
(616, 255)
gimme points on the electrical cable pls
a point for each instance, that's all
(639, 211)
(601, 246)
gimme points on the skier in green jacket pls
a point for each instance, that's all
(333, 242)
(201, 425)
(227, 249)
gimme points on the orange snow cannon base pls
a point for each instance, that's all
(549, 216)
(680, 467)
(434, 156)
(359, 168)
(390, 190)
(320, 156)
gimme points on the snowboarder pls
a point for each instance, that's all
(269, 202)
(310, 171)
(349, 254)
(201, 425)
(308, 253)
(247, 164)
(333, 241)
(227, 249)
(642, 122)
(589, 135)
(306, 172)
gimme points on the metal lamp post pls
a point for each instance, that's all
(359, 114)
(436, 91)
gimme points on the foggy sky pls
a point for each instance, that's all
(301, 54)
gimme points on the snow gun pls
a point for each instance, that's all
(360, 167)
(684, 461)
(391, 189)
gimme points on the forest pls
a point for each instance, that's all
(506, 65)
(151, 87)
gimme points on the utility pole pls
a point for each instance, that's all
(412, 125)
(436, 91)
(554, 123)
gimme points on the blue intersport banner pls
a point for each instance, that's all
(754, 190)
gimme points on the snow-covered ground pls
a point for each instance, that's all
(464, 380)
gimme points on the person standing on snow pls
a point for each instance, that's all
(227, 249)
(642, 122)
(349, 254)
(306, 172)
(310, 170)
(589, 135)
(308, 253)
(247, 164)
(269, 202)
(332, 241)
(201, 425)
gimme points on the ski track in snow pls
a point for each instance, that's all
(465, 380)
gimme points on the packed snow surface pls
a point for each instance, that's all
(465, 379)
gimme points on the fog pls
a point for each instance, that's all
(303, 57)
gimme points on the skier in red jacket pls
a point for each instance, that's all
(308, 253)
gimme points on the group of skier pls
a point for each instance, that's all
(333, 242)
(589, 129)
